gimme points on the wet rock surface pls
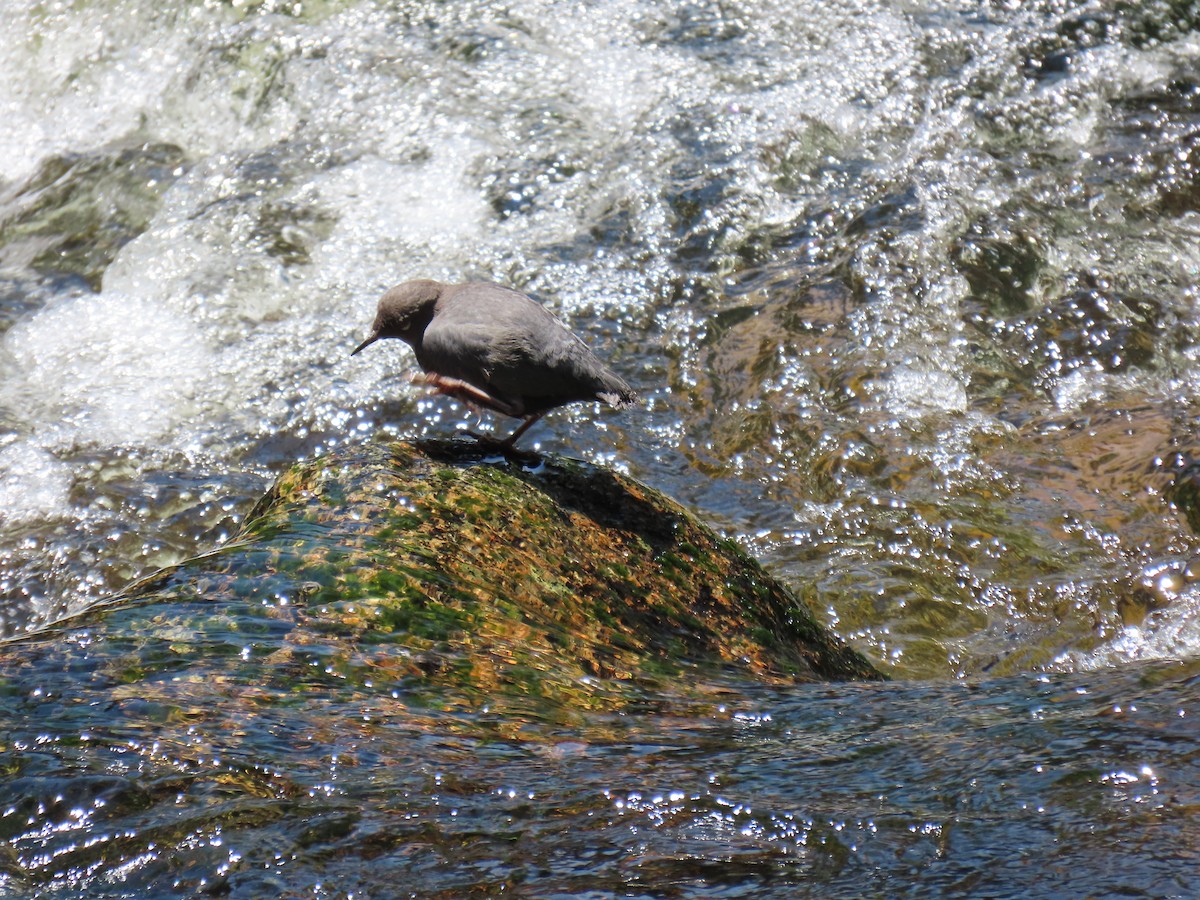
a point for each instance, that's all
(441, 564)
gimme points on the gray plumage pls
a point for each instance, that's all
(493, 347)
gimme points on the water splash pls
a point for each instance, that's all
(882, 263)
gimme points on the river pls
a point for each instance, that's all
(909, 291)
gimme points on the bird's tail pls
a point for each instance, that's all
(617, 393)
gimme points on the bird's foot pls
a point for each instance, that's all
(505, 448)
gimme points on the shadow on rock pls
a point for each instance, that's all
(593, 491)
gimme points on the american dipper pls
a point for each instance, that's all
(492, 347)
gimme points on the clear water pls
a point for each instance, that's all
(300, 782)
(909, 291)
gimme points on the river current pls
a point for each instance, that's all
(909, 291)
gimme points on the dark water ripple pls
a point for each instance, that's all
(1073, 785)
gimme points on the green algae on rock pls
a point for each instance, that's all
(433, 564)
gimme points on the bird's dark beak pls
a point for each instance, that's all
(367, 343)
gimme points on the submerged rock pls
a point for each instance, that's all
(79, 210)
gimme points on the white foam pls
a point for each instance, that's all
(106, 370)
(80, 76)
(390, 211)
(911, 392)
(1170, 633)
(34, 485)
(199, 259)
(1077, 388)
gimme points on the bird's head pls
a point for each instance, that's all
(403, 312)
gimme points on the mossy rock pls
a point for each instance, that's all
(427, 579)
(432, 563)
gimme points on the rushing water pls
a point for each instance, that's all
(1048, 786)
(909, 291)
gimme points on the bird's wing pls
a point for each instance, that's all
(463, 350)
(507, 360)
(516, 350)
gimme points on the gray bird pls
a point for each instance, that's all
(495, 348)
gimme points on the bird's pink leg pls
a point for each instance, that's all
(467, 393)
(521, 429)
(474, 398)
